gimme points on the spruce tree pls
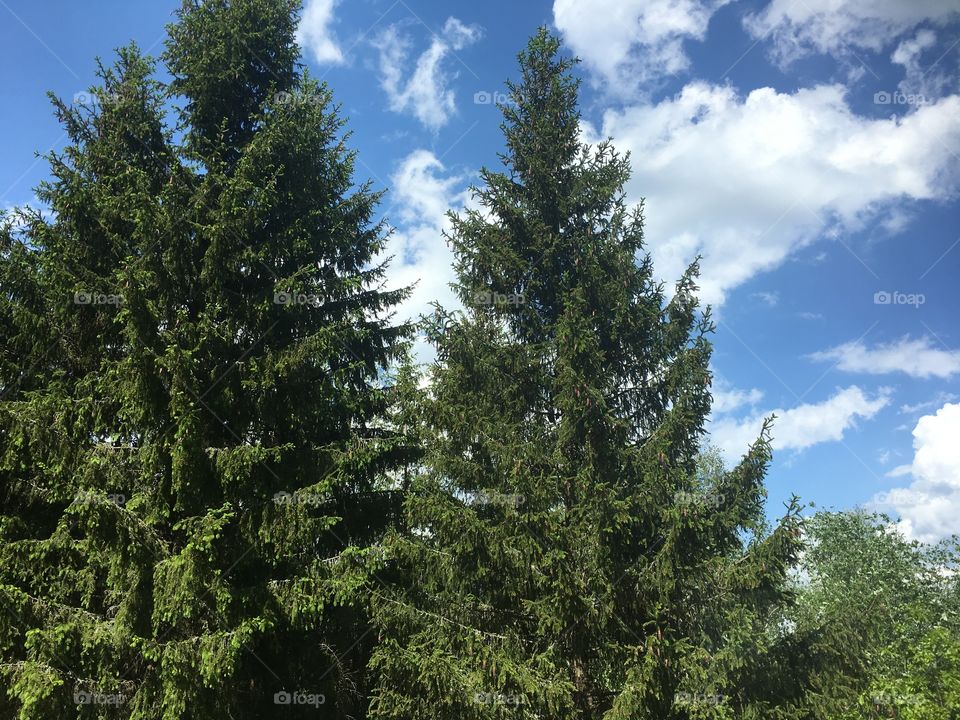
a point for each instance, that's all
(570, 553)
(192, 393)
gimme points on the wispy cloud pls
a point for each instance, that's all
(920, 358)
(801, 426)
(423, 91)
(839, 28)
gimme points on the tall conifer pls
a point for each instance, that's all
(194, 342)
(570, 555)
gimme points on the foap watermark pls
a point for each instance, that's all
(483, 97)
(86, 697)
(299, 697)
(292, 298)
(491, 698)
(88, 297)
(887, 699)
(285, 498)
(486, 297)
(898, 98)
(97, 98)
(688, 698)
(298, 98)
(899, 298)
(887, 497)
(708, 499)
(90, 497)
(490, 497)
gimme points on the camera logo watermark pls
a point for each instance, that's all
(286, 98)
(89, 497)
(95, 99)
(898, 98)
(292, 298)
(485, 297)
(482, 698)
(84, 697)
(898, 298)
(687, 698)
(299, 697)
(892, 700)
(711, 499)
(285, 498)
(487, 497)
(496, 97)
(87, 297)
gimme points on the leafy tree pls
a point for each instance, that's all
(193, 346)
(571, 554)
(889, 610)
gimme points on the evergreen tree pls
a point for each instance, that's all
(571, 554)
(192, 369)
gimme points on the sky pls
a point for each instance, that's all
(808, 150)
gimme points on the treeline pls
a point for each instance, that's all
(228, 492)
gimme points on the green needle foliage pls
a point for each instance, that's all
(571, 554)
(216, 502)
(193, 352)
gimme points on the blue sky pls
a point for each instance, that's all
(810, 154)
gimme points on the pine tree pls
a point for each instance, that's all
(571, 554)
(193, 452)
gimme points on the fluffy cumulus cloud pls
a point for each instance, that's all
(628, 42)
(313, 32)
(929, 508)
(835, 27)
(920, 358)
(746, 181)
(421, 193)
(421, 89)
(801, 426)
(727, 398)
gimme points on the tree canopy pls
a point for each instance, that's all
(194, 346)
(227, 490)
(568, 556)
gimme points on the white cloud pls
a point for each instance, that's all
(421, 194)
(771, 299)
(909, 50)
(424, 94)
(313, 32)
(929, 508)
(922, 79)
(920, 358)
(727, 398)
(745, 182)
(628, 42)
(941, 399)
(834, 27)
(802, 426)
(900, 470)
